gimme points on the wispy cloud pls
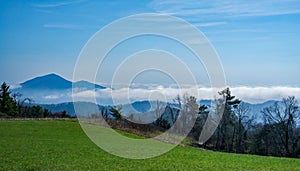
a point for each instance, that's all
(209, 24)
(215, 9)
(56, 4)
(14, 86)
(65, 26)
(45, 11)
(51, 97)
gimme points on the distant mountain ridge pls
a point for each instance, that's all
(55, 82)
(52, 88)
(141, 109)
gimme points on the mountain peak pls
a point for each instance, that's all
(52, 75)
(54, 81)
(49, 81)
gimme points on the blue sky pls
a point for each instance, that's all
(257, 41)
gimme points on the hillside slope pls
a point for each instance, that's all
(62, 145)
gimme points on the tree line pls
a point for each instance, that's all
(237, 131)
(12, 105)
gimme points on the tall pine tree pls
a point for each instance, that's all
(7, 104)
(226, 129)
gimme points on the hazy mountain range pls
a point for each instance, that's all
(50, 91)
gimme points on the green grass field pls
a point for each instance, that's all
(62, 145)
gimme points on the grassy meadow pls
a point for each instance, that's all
(62, 145)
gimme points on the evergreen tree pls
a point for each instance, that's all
(37, 112)
(7, 104)
(200, 121)
(64, 114)
(227, 127)
(46, 113)
(116, 113)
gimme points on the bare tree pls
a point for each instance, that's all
(178, 101)
(23, 107)
(283, 118)
(244, 123)
(158, 112)
(188, 113)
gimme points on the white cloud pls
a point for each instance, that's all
(261, 94)
(248, 94)
(85, 94)
(164, 93)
